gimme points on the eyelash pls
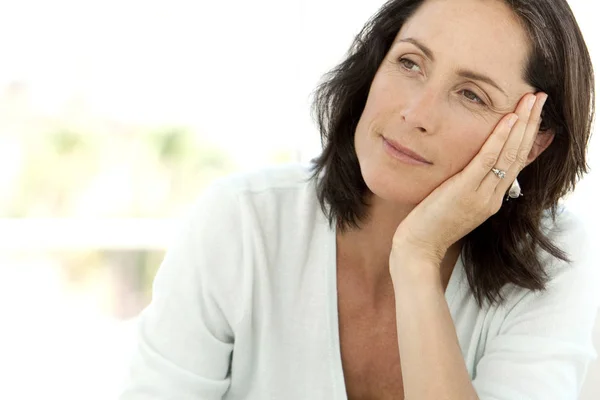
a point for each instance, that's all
(478, 101)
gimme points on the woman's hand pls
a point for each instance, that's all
(470, 197)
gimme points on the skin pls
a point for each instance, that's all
(418, 215)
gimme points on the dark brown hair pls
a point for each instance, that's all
(504, 249)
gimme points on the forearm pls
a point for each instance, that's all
(431, 358)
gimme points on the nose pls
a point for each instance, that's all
(418, 110)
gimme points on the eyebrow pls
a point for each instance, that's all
(465, 73)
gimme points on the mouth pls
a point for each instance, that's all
(403, 153)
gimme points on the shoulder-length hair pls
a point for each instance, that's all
(505, 248)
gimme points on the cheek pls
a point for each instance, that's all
(383, 103)
(466, 141)
(376, 116)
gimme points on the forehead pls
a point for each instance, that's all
(481, 35)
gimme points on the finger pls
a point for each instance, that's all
(533, 127)
(531, 132)
(510, 152)
(487, 156)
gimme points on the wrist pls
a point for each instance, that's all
(414, 268)
(412, 249)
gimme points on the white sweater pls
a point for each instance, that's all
(245, 307)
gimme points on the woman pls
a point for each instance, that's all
(396, 267)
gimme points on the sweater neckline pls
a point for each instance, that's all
(330, 271)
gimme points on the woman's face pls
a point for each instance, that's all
(454, 70)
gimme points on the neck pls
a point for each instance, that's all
(366, 251)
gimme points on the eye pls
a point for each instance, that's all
(407, 64)
(472, 97)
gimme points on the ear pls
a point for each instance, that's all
(541, 143)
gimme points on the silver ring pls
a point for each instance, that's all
(499, 173)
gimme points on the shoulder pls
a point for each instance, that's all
(546, 335)
(235, 218)
(273, 177)
(572, 285)
(572, 234)
(266, 199)
(256, 183)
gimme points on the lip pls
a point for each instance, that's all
(404, 151)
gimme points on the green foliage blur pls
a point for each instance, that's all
(75, 164)
(126, 173)
(130, 173)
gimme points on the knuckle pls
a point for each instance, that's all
(489, 160)
(510, 156)
(495, 206)
(522, 158)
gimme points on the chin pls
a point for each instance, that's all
(393, 185)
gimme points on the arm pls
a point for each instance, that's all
(432, 363)
(185, 336)
(541, 352)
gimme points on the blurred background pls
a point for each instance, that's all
(114, 115)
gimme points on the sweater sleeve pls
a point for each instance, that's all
(544, 345)
(185, 336)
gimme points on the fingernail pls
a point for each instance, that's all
(512, 120)
(544, 100)
(531, 102)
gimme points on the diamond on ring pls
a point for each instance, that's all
(499, 173)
